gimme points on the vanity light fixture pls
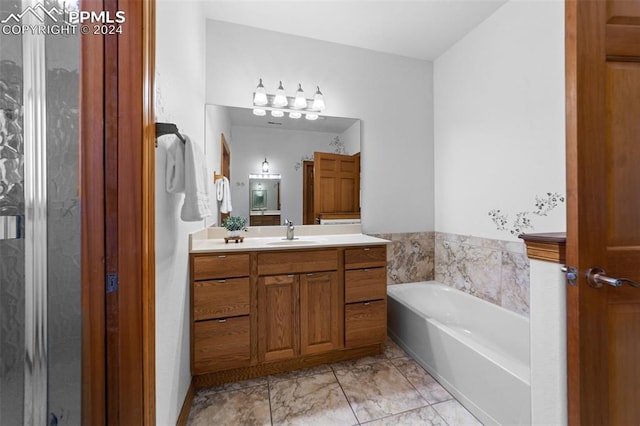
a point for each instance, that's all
(280, 100)
(301, 101)
(260, 95)
(280, 103)
(318, 100)
(265, 166)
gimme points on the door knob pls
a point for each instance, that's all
(596, 277)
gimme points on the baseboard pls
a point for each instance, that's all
(186, 405)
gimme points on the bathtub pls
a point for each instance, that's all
(477, 350)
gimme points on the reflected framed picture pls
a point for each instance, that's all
(258, 199)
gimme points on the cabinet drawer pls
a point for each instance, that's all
(365, 323)
(220, 266)
(361, 285)
(221, 344)
(293, 262)
(365, 257)
(220, 299)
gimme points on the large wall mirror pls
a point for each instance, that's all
(281, 168)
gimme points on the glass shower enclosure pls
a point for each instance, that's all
(40, 295)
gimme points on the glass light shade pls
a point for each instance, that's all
(295, 115)
(265, 166)
(301, 101)
(277, 113)
(259, 112)
(280, 99)
(318, 100)
(260, 95)
(311, 116)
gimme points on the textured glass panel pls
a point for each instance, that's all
(63, 217)
(12, 259)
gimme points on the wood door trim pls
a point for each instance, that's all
(148, 214)
(92, 225)
(548, 247)
(118, 372)
(585, 52)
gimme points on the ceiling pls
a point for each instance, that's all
(421, 29)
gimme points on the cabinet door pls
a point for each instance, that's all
(365, 323)
(321, 320)
(278, 326)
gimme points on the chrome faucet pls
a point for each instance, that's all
(290, 229)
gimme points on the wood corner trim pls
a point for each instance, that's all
(548, 247)
(186, 405)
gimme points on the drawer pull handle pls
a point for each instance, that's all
(367, 303)
(366, 269)
(289, 275)
(309, 275)
(222, 256)
(222, 320)
(366, 249)
(222, 281)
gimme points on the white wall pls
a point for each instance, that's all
(283, 149)
(499, 120)
(391, 94)
(351, 139)
(179, 99)
(548, 318)
(217, 122)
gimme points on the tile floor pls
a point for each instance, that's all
(388, 389)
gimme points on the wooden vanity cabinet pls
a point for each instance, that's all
(220, 309)
(263, 312)
(365, 308)
(298, 313)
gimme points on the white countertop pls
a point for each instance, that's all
(273, 238)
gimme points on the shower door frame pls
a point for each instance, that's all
(117, 182)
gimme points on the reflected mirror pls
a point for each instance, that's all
(271, 167)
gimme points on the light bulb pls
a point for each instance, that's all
(295, 115)
(265, 166)
(280, 100)
(277, 113)
(259, 112)
(301, 101)
(311, 116)
(260, 96)
(318, 100)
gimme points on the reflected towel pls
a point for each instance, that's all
(196, 192)
(174, 170)
(223, 194)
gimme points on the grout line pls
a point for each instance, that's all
(269, 395)
(346, 397)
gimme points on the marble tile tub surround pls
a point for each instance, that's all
(493, 270)
(410, 256)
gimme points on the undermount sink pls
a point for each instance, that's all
(285, 242)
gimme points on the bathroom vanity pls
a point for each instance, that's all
(270, 305)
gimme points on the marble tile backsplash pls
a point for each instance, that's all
(493, 270)
(410, 256)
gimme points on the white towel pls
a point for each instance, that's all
(174, 170)
(196, 198)
(223, 194)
